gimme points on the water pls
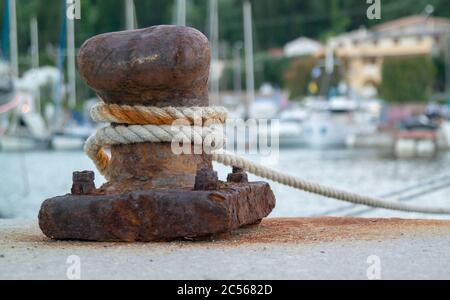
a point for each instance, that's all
(26, 179)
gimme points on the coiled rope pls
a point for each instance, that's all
(146, 133)
(162, 132)
(145, 115)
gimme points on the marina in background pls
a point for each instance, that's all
(339, 109)
(352, 97)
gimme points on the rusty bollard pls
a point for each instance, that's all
(153, 194)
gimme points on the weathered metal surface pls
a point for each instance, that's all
(83, 183)
(157, 66)
(153, 165)
(206, 180)
(238, 176)
(153, 194)
(156, 215)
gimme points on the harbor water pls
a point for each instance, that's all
(28, 178)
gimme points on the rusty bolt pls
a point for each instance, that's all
(237, 170)
(83, 183)
(206, 180)
(238, 176)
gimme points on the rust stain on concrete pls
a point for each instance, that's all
(285, 231)
(329, 229)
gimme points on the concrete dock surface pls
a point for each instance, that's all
(309, 248)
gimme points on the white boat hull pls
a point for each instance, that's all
(446, 134)
(64, 143)
(14, 144)
(291, 134)
(326, 133)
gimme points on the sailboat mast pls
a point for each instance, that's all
(249, 65)
(71, 69)
(237, 68)
(13, 48)
(34, 43)
(181, 12)
(35, 55)
(214, 38)
(130, 21)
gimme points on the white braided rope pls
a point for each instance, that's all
(110, 136)
(197, 135)
(261, 171)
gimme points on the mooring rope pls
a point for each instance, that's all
(145, 115)
(146, 133)
(288, 180)
(405, 194)
(162, 132)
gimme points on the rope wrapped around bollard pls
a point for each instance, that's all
(152, 124)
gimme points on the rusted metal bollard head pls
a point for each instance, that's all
(158, 66)
(153, 194)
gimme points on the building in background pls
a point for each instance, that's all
(303, 46)
(363, 51)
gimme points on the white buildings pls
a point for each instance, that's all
(303, 47)
(362, 52)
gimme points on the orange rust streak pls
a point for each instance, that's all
(287, 231)
(328, 229)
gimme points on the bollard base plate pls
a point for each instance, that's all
(157, 214)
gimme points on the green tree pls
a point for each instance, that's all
(298, 76)
(407, 79)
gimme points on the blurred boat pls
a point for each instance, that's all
(446, 134)
(64, 142)
(71, 138)
(291, 132)
(7, 92)
(268, 103)
(10, 143)
(6, 105)
(7, 99)
(262, 108)
(420, 135)
(28, 132)
(75, 129)
(332, 122)
(255, 126)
